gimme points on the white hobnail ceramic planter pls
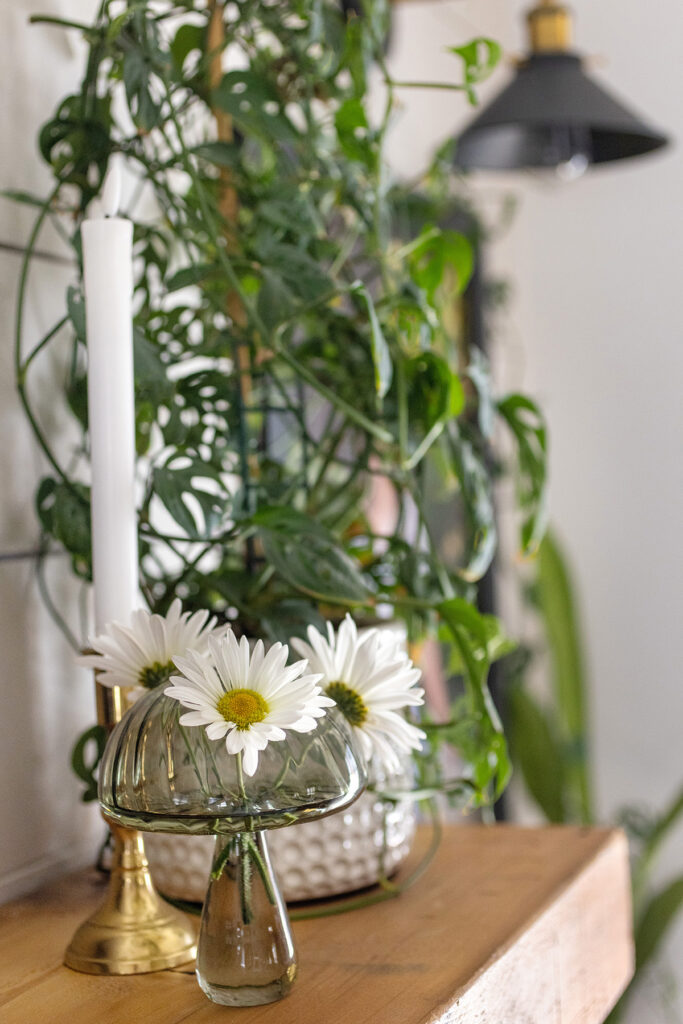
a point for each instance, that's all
(335, 855)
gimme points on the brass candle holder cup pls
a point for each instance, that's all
(133, 931)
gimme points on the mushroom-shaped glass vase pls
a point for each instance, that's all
(158, 775)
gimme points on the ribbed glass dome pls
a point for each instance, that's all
(158, 775)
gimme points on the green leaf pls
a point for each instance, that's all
(255, 106)
(150, 372)
(526, 422)
(18, 196)
(657, 918)
(173, 485)
(655, 833)
(71, 518)
(136, 79)
(486, 746)
(479, 373)
(538, 751)
(64, 513)
(480, 56)
(308, 557)
(476, 485)
(293, 213)
(77, 146)
(275, 301)
(284, 619)
(498, 644)
(189, 276)
(302, 274)
(86, 769)
(224, 154)
(435, 392)
(353, 132)
(433, 254)
(381, 357)
(187, 39)
(557, 605)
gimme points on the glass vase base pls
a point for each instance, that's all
(248, 995)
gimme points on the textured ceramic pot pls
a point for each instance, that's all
(335, 855)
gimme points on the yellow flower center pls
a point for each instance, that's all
(349, 701)
(243, 707)
(153, 675)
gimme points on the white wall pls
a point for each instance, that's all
(44, 700)
(594, 332)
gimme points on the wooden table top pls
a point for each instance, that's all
(508, 926)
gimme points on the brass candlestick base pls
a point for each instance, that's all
(134, 931)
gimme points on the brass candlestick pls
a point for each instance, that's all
(134, 931)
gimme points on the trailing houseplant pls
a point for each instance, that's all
(292, 339)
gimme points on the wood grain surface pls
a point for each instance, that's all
(508, 926)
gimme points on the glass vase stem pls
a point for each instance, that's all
(246, 952)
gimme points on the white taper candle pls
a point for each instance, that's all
(108, 282)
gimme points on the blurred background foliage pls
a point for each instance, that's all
(550, 747)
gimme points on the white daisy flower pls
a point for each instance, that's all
(371, 679)
(251, 699)
(141, 655)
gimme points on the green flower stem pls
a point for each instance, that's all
(244, 877)
(285, 768)
(226, 853)
(261, 868)
(208, 746)
(240, 777)
(190, 751)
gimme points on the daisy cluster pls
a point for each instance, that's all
(249, 696)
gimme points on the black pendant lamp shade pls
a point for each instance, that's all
(552, 115)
